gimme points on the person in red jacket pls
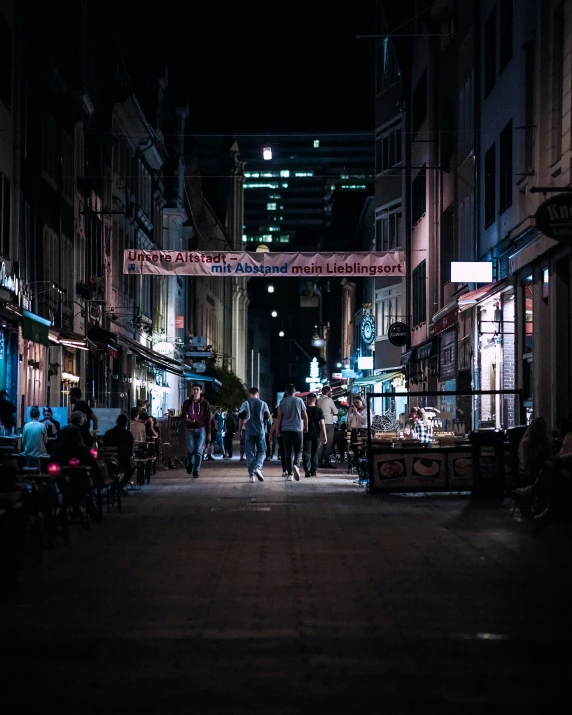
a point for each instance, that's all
(197, 414)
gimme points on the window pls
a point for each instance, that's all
(490, 52)
(50, 150)
(505, 35)
(387, 69)
(5, 221)
(388, 228)
(67, 166)
(419, 294)
(528, 332)
(5, 63)
(545, 283)
(387, 309)
(418, 197)
(557, 82)
(466, 122)
(490, 183)
(316, 143)
(388, 149)
(529, 106)
(505, 158)
(271, 206)
(419, 110)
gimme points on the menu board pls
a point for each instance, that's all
(425, 470)
(460, 469)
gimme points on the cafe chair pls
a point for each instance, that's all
(108, 485)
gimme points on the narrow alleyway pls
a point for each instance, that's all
(215, 595)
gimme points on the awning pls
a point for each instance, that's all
(426, 350)
(377, 379)
(35, 328)
(160, 361)
(445, 318)
(68, 338)
(200, 378)
(476, 296)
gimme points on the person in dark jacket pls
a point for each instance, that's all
(229, 432)
(120, 436)
(196, 412)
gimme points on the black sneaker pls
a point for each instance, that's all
(312, 474)
(195, 474)
(307, 474)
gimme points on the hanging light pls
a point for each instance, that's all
(267, 153)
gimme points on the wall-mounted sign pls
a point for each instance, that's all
(9, 281)
(554, 217)
(199, 354)
(365, 363)
(337, 376)
(199, 367)
(236, 263)
(398, 334)
(367, 328)
(471, 272)
(314, 384)
(164, 348)
(199, 341)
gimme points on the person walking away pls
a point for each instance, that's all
(253, 415)
(34, 438)
(275, 437)
(316, 432)
(292, 424)
(197, 414)
(229, 431)
(78, 403)
(328, 407)
(219, 419)
(120, 436)
(214, 437)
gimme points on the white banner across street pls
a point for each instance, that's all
(246, 265)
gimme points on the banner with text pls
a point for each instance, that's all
(246, 265)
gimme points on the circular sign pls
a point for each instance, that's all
(199, 367)
(554, 217)
(164, 348)
(367, 329)
(398, 334)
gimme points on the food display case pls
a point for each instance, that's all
(399, 462)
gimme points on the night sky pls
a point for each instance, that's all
(294, 66)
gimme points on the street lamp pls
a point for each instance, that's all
(274, 314)
(281, 334)
(267, 153)
(270, 288)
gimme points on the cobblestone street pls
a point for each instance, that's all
(216, 595)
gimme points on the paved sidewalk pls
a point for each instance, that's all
(216, 595)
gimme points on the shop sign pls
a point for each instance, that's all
(337, 376)
(398, 334)
(9, 281)
(427, 350)
(554, 217)
(314, 384)
(367, 328)
(447, 321)
(164, 348)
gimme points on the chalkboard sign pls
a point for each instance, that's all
(107, 418)
(488, 463)
(178, 437)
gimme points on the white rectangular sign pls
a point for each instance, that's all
(472, 272)
(247, 265)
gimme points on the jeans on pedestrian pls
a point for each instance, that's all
(310, 454)
(281, 453)
(255, 449)
(219, 441)
(326, 449)
(292, 448)
(195, 447)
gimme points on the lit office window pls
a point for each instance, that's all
(271, 206)
(244, 239)
(304, 173)
(285, 173)
(316, 143)
(284, 186)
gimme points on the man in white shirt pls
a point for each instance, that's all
(326, 404)
(34, 435)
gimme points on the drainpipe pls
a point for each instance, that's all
(476, 200)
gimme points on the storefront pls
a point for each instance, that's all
(33, 346)
(152, 377)
(63, 365)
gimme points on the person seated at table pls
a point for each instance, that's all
(120, 436)
(53, 427)
(81, 405)
(534, 449)
(34, 435)
(136, 426)
(147, 422)
(77, 419)
(71, 448)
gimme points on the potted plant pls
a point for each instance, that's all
(91, 288)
